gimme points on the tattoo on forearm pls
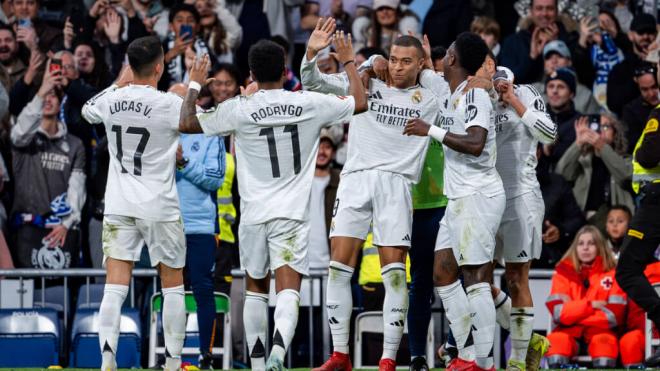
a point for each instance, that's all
(188, 122)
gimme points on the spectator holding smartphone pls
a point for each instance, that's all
(599, 167)
(49, 166)
(184, 35)
(33, 33)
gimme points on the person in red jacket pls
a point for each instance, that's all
(585, 302)
(632, 343)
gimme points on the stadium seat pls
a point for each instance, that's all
(85, 351)
(53, 298)
(29, 338)
(372, 322)
(191, 344)
(90, 296)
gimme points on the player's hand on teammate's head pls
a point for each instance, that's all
(199, 69)
(321, 36)
(416, 127)
(343, 47)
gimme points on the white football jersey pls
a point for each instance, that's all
(466, 174)
(375, 137)
(276, 140)
(142, 127)
(517, 139)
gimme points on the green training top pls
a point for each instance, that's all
(428, 193)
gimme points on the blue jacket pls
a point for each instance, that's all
(198, 182)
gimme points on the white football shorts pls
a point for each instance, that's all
(267, 246)
(372, 195)
(124, 236)
(519, 236)
(469, 228)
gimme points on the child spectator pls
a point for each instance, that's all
(489, 30)
(616, 227)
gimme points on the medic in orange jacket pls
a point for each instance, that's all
(585, 305)
(632, 343)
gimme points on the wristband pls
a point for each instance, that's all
(351, 61)
(194, 85)
(437, 133)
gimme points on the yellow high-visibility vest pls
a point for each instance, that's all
(370, 265)
(640, 174)
(226, 209)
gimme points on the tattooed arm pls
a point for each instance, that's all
(188, 122)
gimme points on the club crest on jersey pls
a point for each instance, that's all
(195, 147)
(417, 97)
(470, 113)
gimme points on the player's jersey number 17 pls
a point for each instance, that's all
(137, 156)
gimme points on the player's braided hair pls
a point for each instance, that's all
(266, 61)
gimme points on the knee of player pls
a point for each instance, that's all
(473, 275)
(445, 272)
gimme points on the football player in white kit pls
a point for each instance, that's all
(476, 202)
(375, 186)
(141, 203)
(276, 137)
(521, 122)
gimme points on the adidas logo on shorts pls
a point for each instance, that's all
(522, 254)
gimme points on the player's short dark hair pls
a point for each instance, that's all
(438, 52)
(368, 51)
(266, 61)
(143, 53)
(623, 208)
(410, 41)
(183, 7)
(231, 69)
(471, 51)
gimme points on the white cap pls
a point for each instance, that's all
(394, 4)
(503, 73)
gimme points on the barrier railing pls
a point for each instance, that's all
(316, 280)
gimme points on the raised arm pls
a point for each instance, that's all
(188, 122)
(531, 108)
(311, 76)
(344, 48)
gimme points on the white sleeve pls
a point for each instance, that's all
(434, 82)
(176, 102)
(536, 118)
(92, 110)
(478, 109)
(334, 109)
(221, 120)
(312, 79)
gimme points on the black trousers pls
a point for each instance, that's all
(641, 247)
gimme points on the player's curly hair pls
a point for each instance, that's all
(471, 51)
(266, 61)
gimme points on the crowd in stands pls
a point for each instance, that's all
(596, 68)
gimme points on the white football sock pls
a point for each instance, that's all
(457, 310)
(395, 307)
(481, 303)
(174, 325)
(522, 323)
(255, 320)
(286, 319)
(109, 317)
(503, 309)
(339, 304)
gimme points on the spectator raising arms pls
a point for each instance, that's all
(585, 302)
(49, 166)
(219, 29)
(598, 165)
(522, 52)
